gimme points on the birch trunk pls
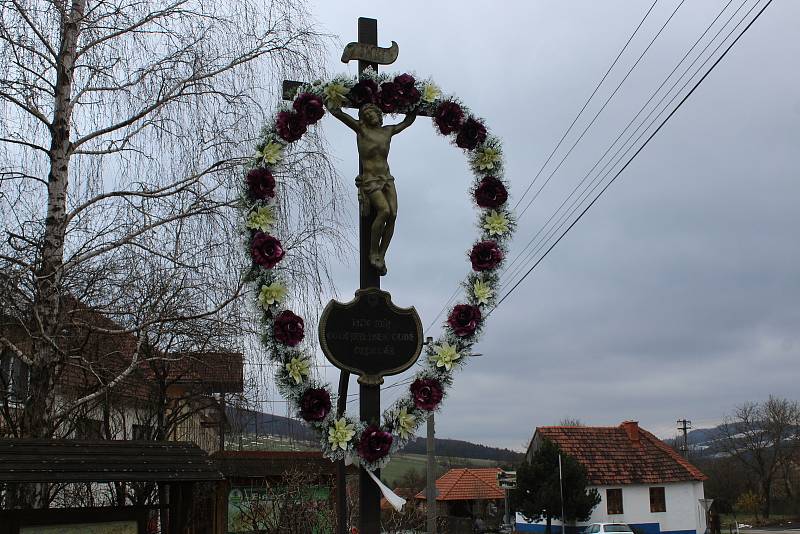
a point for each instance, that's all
(46, 306)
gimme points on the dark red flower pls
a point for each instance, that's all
(485, 256)
(404, 80)
(374, 443)
(315, 404)
(409, 94)
(290, 126)
(364, 92)
(266, 250)
(427, 393)
(490, 193)
(472, 134)
(310, 107)
(448, 117)
(464, 319)
(389, 99)
(289, 328)
(260, 184)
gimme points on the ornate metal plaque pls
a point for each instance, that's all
(370, 336)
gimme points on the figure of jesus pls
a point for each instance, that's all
(375, 184)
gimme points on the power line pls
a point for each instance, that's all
(566, 132)
(652, 135)
(596, 88)
(543, 240)
(594, 119)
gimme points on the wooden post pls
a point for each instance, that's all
(430, 482)
(369, 496)
(369, 505)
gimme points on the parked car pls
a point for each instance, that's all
(600, 528)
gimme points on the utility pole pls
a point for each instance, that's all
(684, 426)
(430, 483)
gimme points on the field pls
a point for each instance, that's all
(392, 473)
(402, 463)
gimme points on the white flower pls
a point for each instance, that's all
(261, 219)
(445, 355)
(487, 158)
(298, 369)
(334, 94)
(430, 92)
(340, 434)
(482, 292)
(272, 153)
(271, 294)
(496, 223)
(405, 423)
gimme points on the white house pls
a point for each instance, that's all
(642, 481)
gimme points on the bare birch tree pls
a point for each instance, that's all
(123, 128)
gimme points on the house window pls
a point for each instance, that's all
(614, 501)
(86, 428)
(15, 377)
(658, 501)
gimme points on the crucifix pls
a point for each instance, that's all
(369, 336)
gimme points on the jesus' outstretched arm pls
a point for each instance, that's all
(400, 126)
(344, 117)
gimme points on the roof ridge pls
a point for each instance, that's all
(683, 462)
(460, 476)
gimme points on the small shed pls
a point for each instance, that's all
(178, 466)
(471, 493)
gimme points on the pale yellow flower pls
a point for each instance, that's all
(482, 291)
(297, 369)
(445, 355)
(405, 423)
(430, 92)
(261, 219)
(335, 93)
(487, 158)
(271, 294)
(272, 153)
(340, 434)
(495, 223)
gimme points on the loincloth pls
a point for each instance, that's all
(371, 183)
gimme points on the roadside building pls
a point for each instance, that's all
(112, 385)
(641, 480)
(469, 495)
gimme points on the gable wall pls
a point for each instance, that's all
(683, 516)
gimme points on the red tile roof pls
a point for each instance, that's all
(624, 454)
(468, 485)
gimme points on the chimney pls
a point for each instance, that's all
(632, 429)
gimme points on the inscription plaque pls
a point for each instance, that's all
(370, 336)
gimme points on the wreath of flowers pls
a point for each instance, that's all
(345, 437)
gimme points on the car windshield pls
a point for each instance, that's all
(617, 528)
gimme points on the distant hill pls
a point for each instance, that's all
(465, 449)
(265, 424)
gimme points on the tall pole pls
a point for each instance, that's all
(369, 496)
(430, 482)
(561, 487)
(684, 426)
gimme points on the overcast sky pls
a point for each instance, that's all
(677, 294)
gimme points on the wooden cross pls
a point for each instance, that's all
(369, 394)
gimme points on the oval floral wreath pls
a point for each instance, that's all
(343, 437)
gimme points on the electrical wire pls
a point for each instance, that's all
(569, 129)
(585, 104)
(605, 104)
(528, 255)
(647, 141)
